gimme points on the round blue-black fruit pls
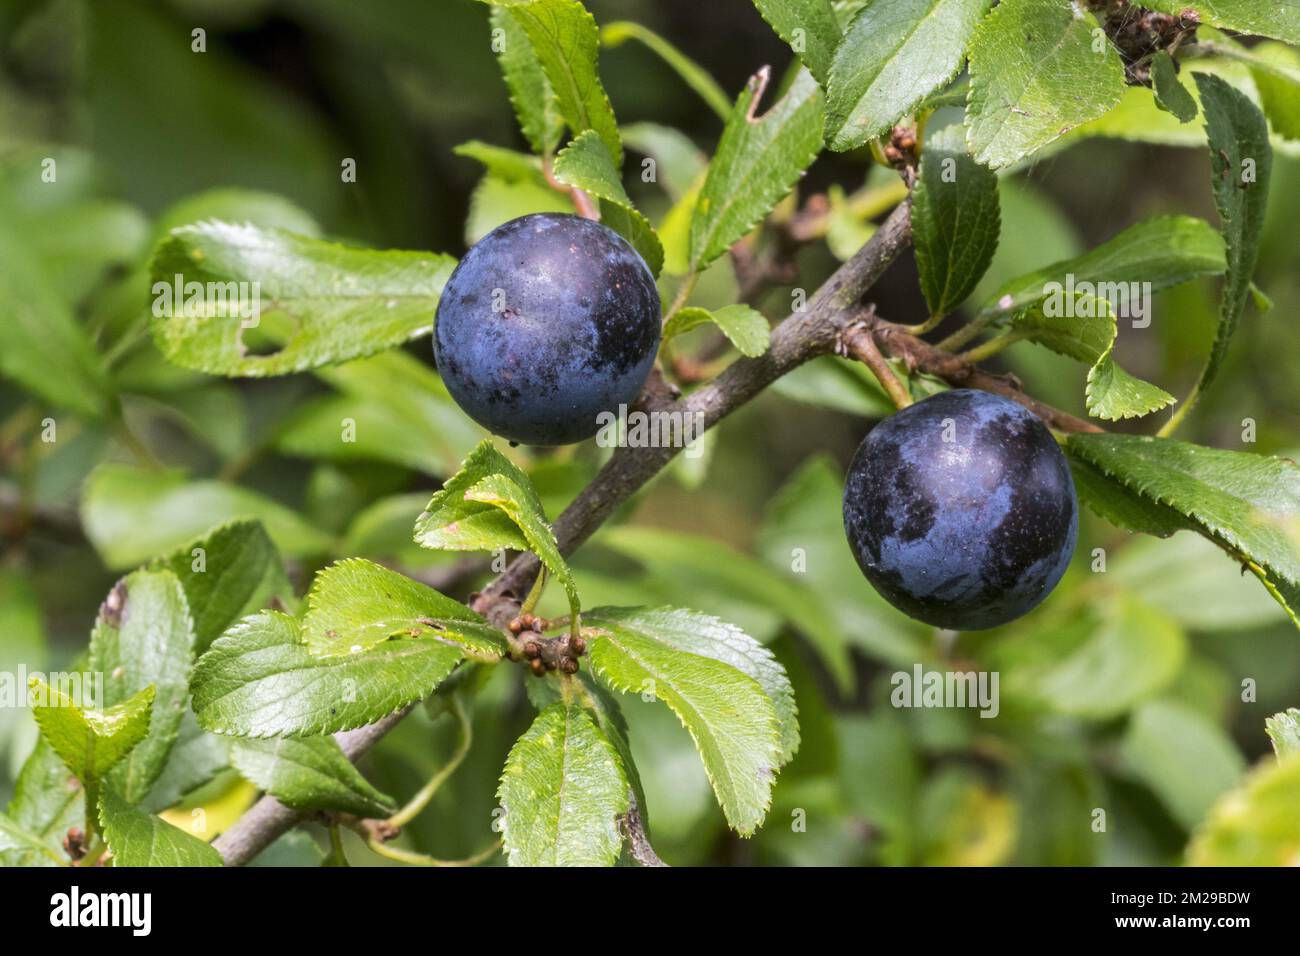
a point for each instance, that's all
(961, 510)
(548, 321)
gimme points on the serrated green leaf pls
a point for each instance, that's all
(260, 680)
(505, 164)
(1182, 756)
(452, 522)
(1241, 160)
(1279, 19)
(91, 742)
(1247, 504)
(563, 789)
(809, 26)
(1085, 330)
(311, 773)
(757, 163)
(530, 92)
(745, 327)
(41, 345)
(231, 571)
(144, 638)
(728, 714)
(566, 42)
(1284, 731)
(1171, 95)
(1035, 76)
(1255, 824)
(1112, 501)
(955, 221)
(320, 302)
(136, 838)
(705, 635)
(1164, 251)
(355, 605)
(1135, 653)
(1275, 68)
(132, 514)
(735, 586)
(47, 802)
(696, 77)
(524, 509)
(894, 54)
(586, 164)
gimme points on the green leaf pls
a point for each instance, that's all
(318, 302)
(41, 345)
(1254, 825)
(15, 840)
(728, 714)
(1114, 502)
(260, 680)
(696, 77)
(1275, 68)
(586, 164)
(231, 571)
(1034, 77)
(1247, 504)
(894, 54)
(530, 92)
(506, 164)
(705, 635)
(1136, 652)
(1171, 95)
(1086, 330)
(809, 26)
(757, 162)
(1186, 760)
(1164, 251)
(521, 504)
(136, 838)
(566, 42)
(955, 221)
(563, 789)
(131, 514)
(1284, 730)
(1241, 161)
(453, 522)
(309, 774)
(47, 802)
(90, 742)
(144, 638)
(355, 605)
(1280, 19)
(745, 327)
(734, 585)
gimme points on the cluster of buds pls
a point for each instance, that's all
(900, 149)
(1138, 33)
(546, 653)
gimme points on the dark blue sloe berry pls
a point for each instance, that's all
(961, 510)
(548, 321)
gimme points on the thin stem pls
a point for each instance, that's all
(967, 332)
(1176, 419)
(412, 858)
(929, 325)
(421, 799)
(683, 295)
(864, 349)
(336, 843)
(138, 448)
(992, 347)
(534, 593)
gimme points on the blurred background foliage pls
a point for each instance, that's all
(1123, 692)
